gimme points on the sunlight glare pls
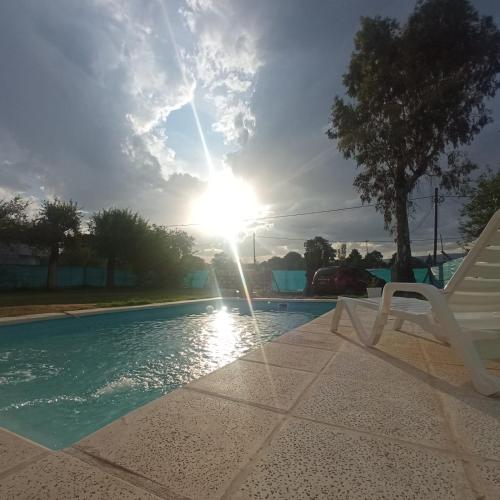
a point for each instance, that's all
(227, 207)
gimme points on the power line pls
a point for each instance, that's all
(316, 212)
(270, 237)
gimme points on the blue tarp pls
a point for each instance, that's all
(14, 276)
(289, 281)
(196, 279)
(445, 271)
(421, 274)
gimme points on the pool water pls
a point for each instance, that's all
(63, 379)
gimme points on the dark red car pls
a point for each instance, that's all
(343, 280)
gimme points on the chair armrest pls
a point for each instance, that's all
(435, 297)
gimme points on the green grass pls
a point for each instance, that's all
(98, 297)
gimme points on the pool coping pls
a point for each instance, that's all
(29, 318)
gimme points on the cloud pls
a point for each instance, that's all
(225, 62)
(95, 105)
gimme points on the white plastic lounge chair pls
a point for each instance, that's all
(466, 314)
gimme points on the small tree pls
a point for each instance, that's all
(117, 235)
(58, 222)
(415, 94)
(373, 259)
(163, 254)
(293, 261)
(318, 253)
(484, 202)
(354, 259)
(13, 219)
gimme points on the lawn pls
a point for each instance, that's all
(19, 302)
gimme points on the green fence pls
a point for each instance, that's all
(14, 276)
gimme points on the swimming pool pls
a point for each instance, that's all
(63, 379)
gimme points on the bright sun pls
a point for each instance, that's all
(228, 206)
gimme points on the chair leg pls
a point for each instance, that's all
(368, 338)
(484, 382)
(398, 323)
(337, 313)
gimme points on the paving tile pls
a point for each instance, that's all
(328, 341)
(59, 475)
(15, 449)
(311, 460)
(376, 397)
(358, 361)
(290, 356)
(489, 474)
(454, 379)
(408, 412)
(256, 383)
(192, 443)
(435, 352)
(475, 423)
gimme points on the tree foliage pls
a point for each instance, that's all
(58, 222)
(118, 235)
(13, 219)
(416, 93)
(484, 202)
(318, 253)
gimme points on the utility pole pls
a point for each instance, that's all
(436, 201)
(366, 247)
(254, 258)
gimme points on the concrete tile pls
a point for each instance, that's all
(489, 474)
(15, 450)
(475, 422)
(59, 475)
(436, 352)
(454, 379)
(400, 345)
(256, 383)
(376, 397)
(358, 361)
(408, 412)
(328, 341)
(311, 460)
(192, 443)
(290, 356)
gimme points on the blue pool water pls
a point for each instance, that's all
(63, 379)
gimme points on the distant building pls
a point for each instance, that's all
(20, 253)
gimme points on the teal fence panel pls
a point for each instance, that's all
(14, 276)
(422, 275)
(196, 279)
(289, 281)
(445, 271)
(382, 273)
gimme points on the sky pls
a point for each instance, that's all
(103, 102)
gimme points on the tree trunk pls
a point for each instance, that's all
(52, 268)
(403, 267)
(110, 272)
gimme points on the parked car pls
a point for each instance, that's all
(343, 280)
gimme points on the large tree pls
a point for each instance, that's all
(58, 222)
(318, 253)
(118, 235)
(416, 93)
(483, 203)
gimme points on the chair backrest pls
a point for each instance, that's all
(475, 286)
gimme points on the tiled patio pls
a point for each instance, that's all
(310, 415)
